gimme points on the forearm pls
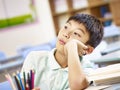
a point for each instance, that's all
(77, 78)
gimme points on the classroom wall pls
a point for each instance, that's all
(39, 32)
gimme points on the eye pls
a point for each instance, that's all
(65, 27)
(77, 34)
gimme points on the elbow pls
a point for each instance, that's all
(79, 84)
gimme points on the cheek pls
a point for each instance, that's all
(77, 38)
(59, 34)
(60, 31)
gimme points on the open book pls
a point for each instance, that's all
(105, 75)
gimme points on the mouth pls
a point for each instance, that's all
(61, 42)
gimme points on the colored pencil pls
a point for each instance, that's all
(18, 83)
(9, 78)
(32, 79)
(21, 84)
(24, 77)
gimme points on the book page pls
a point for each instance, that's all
(97, 87)
(106, 70)
(105, 75)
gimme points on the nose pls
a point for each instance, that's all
(66, 35)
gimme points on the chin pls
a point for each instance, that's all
(60, 49)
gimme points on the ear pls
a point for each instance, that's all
(89, 50)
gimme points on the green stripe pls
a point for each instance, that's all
(16, 20)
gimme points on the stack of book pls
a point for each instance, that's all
(105, 75)
(21, 83)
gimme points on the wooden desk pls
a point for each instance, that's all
(111, 58)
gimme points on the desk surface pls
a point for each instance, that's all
(111, 57)
(115, 46)
(6, 86)
(112, 54)
(105, 87)
(113, 87)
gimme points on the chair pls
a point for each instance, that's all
(2, 55)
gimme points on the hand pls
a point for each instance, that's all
(82, 48)
(78, 45)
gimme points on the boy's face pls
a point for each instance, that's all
(72, 30)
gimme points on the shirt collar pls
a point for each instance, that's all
(53, 63)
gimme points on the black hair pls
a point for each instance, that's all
(93, 25)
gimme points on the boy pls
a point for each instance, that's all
(61, 68)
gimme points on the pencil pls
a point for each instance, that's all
(13, 75)
(24, 77)
(32, 79)
(9, 78)
(28, 79)
(21, 84)
(18, 83)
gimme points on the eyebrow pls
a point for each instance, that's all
(81, 30)
(78, 28)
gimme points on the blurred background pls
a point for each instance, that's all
(31, 25)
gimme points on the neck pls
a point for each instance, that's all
(61, 59)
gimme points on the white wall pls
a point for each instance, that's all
(33, 34)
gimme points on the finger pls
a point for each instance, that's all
(80, 54)
(84, 52)
(82, 44)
